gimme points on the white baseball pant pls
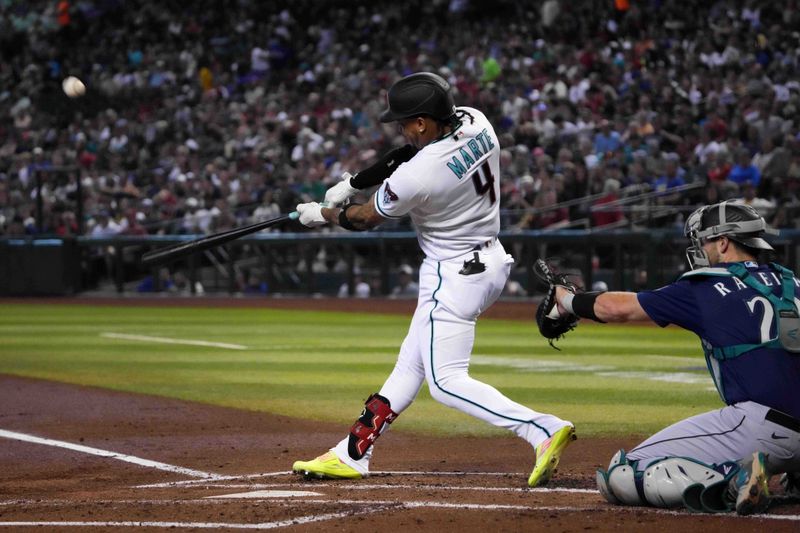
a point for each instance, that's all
(439, 343)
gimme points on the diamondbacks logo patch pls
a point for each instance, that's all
(389, 195)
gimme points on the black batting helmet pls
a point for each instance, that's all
(739, 222)
(423, 93)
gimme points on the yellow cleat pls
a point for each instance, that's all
(751, 486)
(326, 466)
(548, 454)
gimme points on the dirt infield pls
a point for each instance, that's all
(477, 483)
(115, 460)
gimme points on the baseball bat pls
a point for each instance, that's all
(171, 253)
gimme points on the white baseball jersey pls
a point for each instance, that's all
(449, 189)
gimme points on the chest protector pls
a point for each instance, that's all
(786, 314)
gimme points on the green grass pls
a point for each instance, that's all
(608, 380)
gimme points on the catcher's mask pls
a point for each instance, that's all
(738, 222)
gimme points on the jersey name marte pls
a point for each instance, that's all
(449, 189)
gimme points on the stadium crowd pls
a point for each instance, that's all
(206, 115)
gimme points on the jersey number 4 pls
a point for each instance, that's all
(483, 180)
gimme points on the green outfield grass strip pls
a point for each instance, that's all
(608, 379)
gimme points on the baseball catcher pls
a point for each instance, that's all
(746, 314)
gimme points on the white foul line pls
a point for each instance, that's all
(105, 453)
(167, 340)
(203, 525)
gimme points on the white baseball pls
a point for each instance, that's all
(73, 87)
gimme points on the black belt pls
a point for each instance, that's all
(782, 419)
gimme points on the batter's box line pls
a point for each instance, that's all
(384, 473)
(370, 486)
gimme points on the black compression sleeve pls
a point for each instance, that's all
(583, 305)
(383, 168)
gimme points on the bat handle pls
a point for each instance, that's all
(294, 215)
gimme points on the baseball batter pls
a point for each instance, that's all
(448, 186)
(746, 315)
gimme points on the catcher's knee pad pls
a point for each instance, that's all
(621, 483)
(665, 483)
(374, 420)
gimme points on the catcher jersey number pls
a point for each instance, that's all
(483, 180)
(768, 315)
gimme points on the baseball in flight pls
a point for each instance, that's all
(73, 87)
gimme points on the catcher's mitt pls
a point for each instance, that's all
(553, 326)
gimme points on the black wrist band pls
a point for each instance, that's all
(345, 222)
(583, 305)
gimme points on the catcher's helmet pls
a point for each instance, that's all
(739, 222)
(423, 93)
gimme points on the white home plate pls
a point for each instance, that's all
(269, 494)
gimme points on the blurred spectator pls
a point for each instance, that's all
(673, 175)
(132, 223)
(105, 226)
(717, 167)
(744, 171)
(773, 160)
(603, 214)
(406, 287)
(165, 283)
(361, 288)
(545, 214)
(764, 207)
(606, 140)
(217, 116)
(183, 286)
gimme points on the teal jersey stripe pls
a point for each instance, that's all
(433, 371)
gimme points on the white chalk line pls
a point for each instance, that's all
(190, 482)
(607, 371)
(106, 453)
(378, 506)
(381, 486)
(289, 472)
(220, 500)
(198, 525)
(167, 340)
(263, 494)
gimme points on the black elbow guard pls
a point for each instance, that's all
(383, 168)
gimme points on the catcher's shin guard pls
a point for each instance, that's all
(374, 420)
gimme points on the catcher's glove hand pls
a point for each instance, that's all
(552, 324)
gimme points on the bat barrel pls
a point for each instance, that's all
(172, 253)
